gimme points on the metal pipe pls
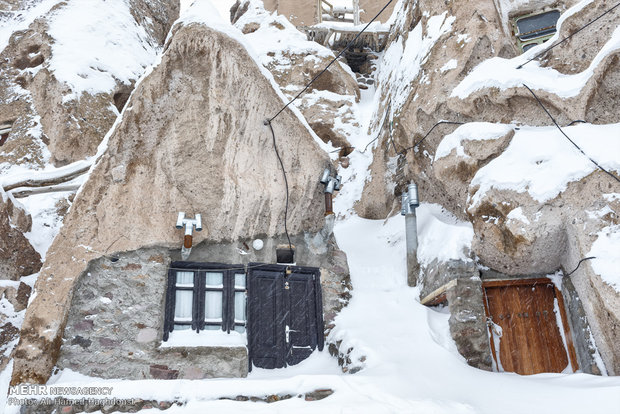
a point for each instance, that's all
(329, 209)
(410, 202)
(331, 184)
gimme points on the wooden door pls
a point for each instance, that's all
(534, 335)
(285, 314)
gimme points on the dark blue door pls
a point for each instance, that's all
(285, 318)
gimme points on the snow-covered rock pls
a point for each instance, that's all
(329, 105)
(67, 69)
(17, 256)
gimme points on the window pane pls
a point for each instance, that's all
(213, 306)
(539, 22)
(182, 327)
(240, 329)
(240, 281)
(213, 279)
(213, 328)
(239, 306)
(185, 279)
(183, 305)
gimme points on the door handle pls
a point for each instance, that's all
(287, 331)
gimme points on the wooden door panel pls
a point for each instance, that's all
(531, 340)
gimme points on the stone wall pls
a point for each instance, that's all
(116, 321)
(463, 293)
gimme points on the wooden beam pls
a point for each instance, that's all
(43, 182)
(43, 190)
(438, 295)
(515, 282)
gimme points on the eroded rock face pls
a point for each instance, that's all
(516, 231)
(187, 142)
(70, 119)
(17, 256)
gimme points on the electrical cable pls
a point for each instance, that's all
(568, 37)
(579, 264)
(330, 63)
(404, 151)
(275, 148)
(567, 137)
(387, 111)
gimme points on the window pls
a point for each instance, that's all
(205, 297)
(534, 29)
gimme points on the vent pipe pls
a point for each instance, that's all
(331, 184)
(410, 202)
(189, 225)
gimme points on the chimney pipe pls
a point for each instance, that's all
(410, 202)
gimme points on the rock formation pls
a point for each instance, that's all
(63, 92)
(517, 232)
(329, 104)
(188, 141)
(17, 256)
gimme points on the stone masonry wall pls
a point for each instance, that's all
(116, 320)
(468, 319)
(115, 324)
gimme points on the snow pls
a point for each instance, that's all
(541, 161)
(442, 236)
(22, 18)
(187, 337)
(46, 222)
(503, 73)
(403, 60)
(605, 248)
(472, 131)
(451, 64)
(111, 46)
(48, 173)
(517, 214)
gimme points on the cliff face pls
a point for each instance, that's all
(187, 141)
(536, 202)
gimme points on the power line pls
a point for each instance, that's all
(404, 151)
(579, 264)
(330, 63)
(568, 37)
(567, 137)
(275, 148)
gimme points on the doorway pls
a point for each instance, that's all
(285, 318)
(529, 330)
